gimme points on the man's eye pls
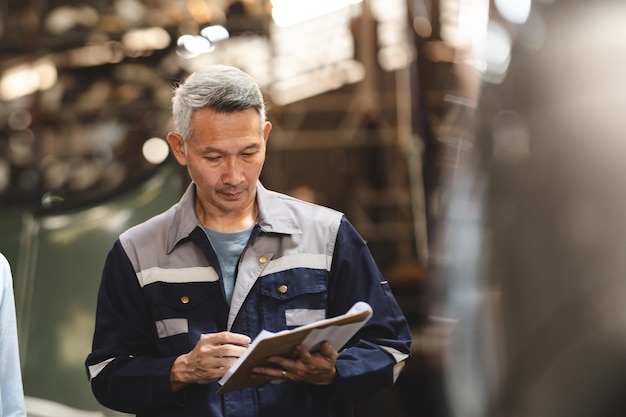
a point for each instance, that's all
(212, 158)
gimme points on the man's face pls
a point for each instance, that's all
(224, 158)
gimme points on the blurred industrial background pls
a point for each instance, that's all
(374, 105)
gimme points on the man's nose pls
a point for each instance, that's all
(233, 172)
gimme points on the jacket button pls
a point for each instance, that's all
(262, 259)
(184, 299)
(282, 289)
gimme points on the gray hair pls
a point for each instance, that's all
(220, 88)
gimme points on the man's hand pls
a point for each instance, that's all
(209, 360)
(318, 368)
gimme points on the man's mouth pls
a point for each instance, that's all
(231, 194)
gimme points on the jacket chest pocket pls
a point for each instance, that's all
(293, 299)
(182, 312)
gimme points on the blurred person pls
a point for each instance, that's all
(537, 226)
(11, 388)
(183, 294)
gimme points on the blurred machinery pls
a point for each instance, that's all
(532, 280)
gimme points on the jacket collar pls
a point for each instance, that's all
(274, 216)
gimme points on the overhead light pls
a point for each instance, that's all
(150, 39)
(316, 82)
(190, 46)
(155, 150)
(497, 52)
(215, 33)
(291, 12)
(94, 55)
(515, 11)
(65, 18)
(463, 23)
(26, 79)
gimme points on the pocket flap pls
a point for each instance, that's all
(283, 287)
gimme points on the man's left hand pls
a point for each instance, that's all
(316, 368)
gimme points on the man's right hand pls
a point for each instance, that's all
(209, 360)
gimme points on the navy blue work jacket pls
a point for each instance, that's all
(161, 289)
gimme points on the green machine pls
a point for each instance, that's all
(57, 258)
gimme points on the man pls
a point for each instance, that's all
(183, 294)
(11, 390)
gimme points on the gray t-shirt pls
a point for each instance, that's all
(228, 247)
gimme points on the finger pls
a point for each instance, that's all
(327, 350)
(269, 373)
(223, 338)
(304, 355)
(231, 351)
(279, 362)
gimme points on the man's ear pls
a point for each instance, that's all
(177, 144)
(266, 130)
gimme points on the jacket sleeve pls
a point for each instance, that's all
(124, 373)
(375, 356)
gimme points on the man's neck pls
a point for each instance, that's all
(227, 222)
